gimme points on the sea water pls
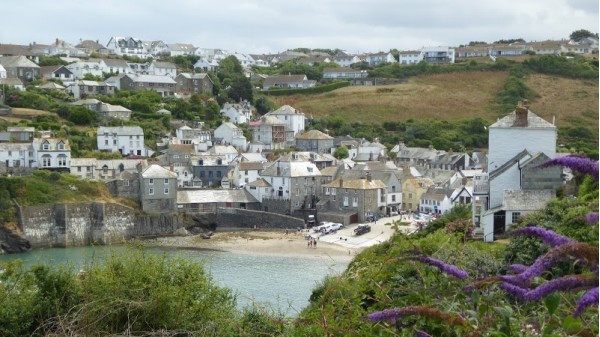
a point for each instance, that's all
(281, 283)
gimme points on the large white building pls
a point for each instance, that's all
(293, 119)
(514, 185)
(52, 154)
(128, 140)
(229, 134)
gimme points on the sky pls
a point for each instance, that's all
(272, 26)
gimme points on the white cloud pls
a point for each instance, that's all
(274, 25)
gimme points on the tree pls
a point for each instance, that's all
(81, 116)
(240, 89)
(340, 152)
(581, 34)
(90, 77)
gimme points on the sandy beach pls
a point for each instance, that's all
(340, 246)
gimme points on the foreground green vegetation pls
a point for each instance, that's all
(436, 283)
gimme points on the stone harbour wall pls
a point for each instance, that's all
(64, 225)
(236, 218)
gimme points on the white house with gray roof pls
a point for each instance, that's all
(293, 118)
(518, 144)
(16, 155)
(128, 140)
(52, 154)
(229, 134)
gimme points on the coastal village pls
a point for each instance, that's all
(285, 167)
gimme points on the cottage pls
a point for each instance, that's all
(128, 140)
(314, 140)
(158, 189)
(52, 154)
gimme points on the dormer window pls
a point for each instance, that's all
(61, 146)
(46, 146)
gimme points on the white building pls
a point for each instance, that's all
(410, 57)
(16, 155)
(238, 113)
(52, 153)
(438, 55)
(229, 133)
(293, 119)
(518, 144)
(246, 172)
(128, 140)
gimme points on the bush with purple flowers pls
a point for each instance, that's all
(543, 282)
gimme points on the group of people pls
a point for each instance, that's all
(312, 243)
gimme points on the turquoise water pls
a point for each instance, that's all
(276, 282)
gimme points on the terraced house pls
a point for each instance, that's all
(164, 85)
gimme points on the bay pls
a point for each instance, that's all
(281, 283)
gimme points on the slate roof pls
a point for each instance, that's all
(151, 79)
(121, 130)
(51, 85)
(285, 110)
(259, 183)
(290, 168)
(357, 184)
(250, 165)
(17, 61)
(533, 121)
(526, 200)
(206, 196)
(158, 172)
(509, 163)
(314, 134)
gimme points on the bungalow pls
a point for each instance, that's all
(83, 89)
(507, 49)
(58, 72)
(12, 82)
(343, 73)
(164, 85)
(346, 60)
(288, 82)
(472, 51)
(438, 55)
(379, 58)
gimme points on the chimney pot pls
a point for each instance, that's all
(341, 182)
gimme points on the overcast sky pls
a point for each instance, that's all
(276, 25)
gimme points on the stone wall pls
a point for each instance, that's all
(104, 223)
(235, 218)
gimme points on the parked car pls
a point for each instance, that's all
(362, 229)
(334, 227)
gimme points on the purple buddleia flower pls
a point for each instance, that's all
(547, 236)
(588, 299)
(517, 268)
(592, 218)
(390, 315)
(421, 333)
(514, 290)
(559, 284)
(544, 262)
(444, 267)
(576, 163)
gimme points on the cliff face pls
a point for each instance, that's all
(11, 242)
(62, 225)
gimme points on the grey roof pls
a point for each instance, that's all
(151, 79)
(526, 200)
(514, 160)
(83, 162)
(121, 130)
(195, 75)
(313, 134)
(13, 81)
(53, 142)
(116, 63)
(250, 165)
(20, 129)
(436, 194)
(533, 121)
(158, 172)
(222, 149)
(51, 85)
(285, 110)
(17, 61)
(259, 183)
(209, 160)
(159, 64)
(87, 101)
(15, 146)
(291, 168)
(385, 177)
(214, 196)
(126, 163)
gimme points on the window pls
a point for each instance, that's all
(167, 190)
(62, 160)
(79, 169)
(166, 181)
(326, 190)
(218, 174)
(393, 198)
(125, 182)
(10, 153)
(151, 181)
(46, 161)
(46, 146)
(345, 201)
(515, 216)
(355, 202)
(151, 191)
(106, 142)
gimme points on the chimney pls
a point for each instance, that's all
(369, 177)
(278, 170)
(521, 114)
(341, 182)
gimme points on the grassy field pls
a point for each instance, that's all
(452, 96)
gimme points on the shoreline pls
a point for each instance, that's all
(340, 246)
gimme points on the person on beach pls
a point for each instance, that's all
(315, 244)
(309, 243)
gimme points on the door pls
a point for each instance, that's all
(499, 222)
